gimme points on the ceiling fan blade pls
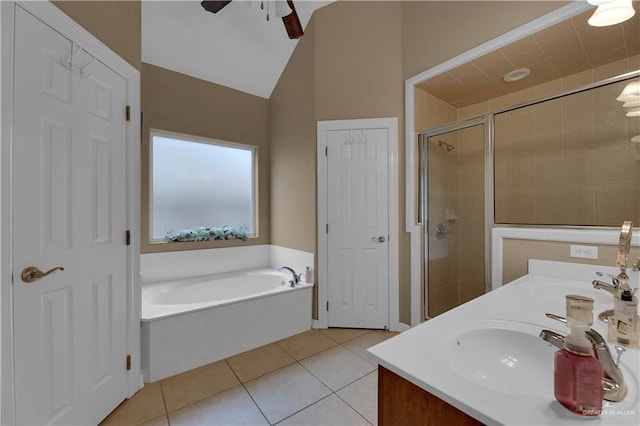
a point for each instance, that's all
(214, 6)
(292, 22)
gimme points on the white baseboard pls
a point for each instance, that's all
(403, 327)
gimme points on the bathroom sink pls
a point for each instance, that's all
(503, 356)
(509, 357)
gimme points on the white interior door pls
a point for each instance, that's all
(358, 228)
(69, 211)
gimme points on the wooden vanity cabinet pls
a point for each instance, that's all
(400, 402)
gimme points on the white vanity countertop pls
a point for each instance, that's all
(422, 355)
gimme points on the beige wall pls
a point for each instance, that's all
(115, 23)
(292, 119)
(182, 104)
(293, 150)
(338, 71)
(435, 31)
(518, 252)
(361, 54)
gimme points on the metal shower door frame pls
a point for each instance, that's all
(423, 193)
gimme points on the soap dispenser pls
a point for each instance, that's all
(578, 374)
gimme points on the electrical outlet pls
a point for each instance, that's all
(584, 252)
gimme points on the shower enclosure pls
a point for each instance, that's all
(571, 159)
(453, 170)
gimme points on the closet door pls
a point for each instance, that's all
(69, 218)
(358, 227)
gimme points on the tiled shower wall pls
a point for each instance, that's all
(567, 161)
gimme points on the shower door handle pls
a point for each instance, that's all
(379, 239)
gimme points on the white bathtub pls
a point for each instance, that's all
(195, 321)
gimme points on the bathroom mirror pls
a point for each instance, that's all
(571, 160)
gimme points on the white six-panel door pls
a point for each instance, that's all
(358, 227)
(69, 208)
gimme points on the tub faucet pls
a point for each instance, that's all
(296, 277)
(613, 386)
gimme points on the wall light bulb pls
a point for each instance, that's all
(633, 103)
(630, 92)
(635, 112)
(611, 13)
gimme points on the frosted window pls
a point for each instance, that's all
(201, 184)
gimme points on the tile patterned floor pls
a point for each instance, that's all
(320, 377)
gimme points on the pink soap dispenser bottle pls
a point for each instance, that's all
(578, 374)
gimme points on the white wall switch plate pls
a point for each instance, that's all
(584, 252)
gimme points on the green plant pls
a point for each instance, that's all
(208, 234)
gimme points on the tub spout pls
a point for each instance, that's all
(296, 278)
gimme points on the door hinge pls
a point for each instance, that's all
(127, 238)
(327, 305)
(127, 112)
(326, 151)
(327, 228)
(128, 362)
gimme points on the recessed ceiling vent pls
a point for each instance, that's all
(516, 75)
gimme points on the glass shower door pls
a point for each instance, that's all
(454, 239)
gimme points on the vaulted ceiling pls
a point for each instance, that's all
(236, 47)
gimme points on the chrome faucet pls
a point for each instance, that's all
(611, 288)
(296, 277)
(613, 386)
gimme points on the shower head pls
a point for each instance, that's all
(448, 146)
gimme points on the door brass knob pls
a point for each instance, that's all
(31, 273)
(380, 239)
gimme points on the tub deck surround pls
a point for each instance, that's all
(190, 335)
(178, 296)
(423, 355)
(156, 267)
(202, 306)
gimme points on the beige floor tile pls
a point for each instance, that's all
(329, 411)
(260, 361)
(286, 391)
(145, 405)
(360, 344)
(160, 421)
(388, 333)
(338, 367)
(198, 384)
(362, 396)
(341, 335)
(306, 344)
(232, 407)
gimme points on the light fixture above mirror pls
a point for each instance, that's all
(610, 12)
